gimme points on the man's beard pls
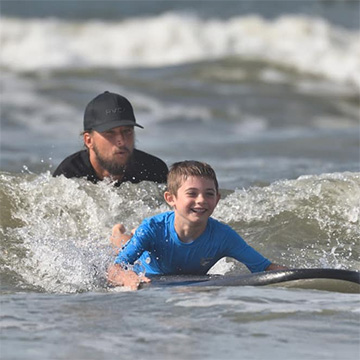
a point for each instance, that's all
(109, 165)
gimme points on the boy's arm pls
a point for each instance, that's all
(118, 276)
(118, 273)
(118, 237)
(274, 266)
(241, 251)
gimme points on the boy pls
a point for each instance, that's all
(186, 240)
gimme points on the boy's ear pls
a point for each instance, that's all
(169, 198)
(218, 198)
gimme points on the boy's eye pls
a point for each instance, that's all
(191, 193)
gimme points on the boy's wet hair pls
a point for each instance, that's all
(180, 171)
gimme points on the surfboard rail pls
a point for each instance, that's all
(277, 276)
(349, 279)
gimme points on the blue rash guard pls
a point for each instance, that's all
(160, 251)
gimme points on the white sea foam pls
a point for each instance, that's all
(322, 212)
(334, 194)
(302, 43)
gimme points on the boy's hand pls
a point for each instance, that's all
(117, 276)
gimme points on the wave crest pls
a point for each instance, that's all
(308, 45)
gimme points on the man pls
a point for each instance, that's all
(109, 140)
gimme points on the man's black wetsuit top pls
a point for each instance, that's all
(141, 167)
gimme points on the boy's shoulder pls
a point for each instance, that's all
(162, 218)
(217, 225)
(154, 225)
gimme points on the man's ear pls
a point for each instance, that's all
(169, 198)
(87, 140)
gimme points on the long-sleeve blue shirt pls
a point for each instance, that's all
(160, 251)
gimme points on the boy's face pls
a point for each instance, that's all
(195, 200)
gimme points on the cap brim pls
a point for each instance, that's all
(114, 124)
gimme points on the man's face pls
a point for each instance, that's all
(112, 149)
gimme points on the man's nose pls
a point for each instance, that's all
(119, 139)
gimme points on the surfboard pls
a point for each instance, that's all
(337, 280)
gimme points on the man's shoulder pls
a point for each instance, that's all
(147, 159)
(146, 167)
(75, 165)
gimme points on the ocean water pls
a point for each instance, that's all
(267, 92)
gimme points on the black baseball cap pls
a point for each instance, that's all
(108, 110)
